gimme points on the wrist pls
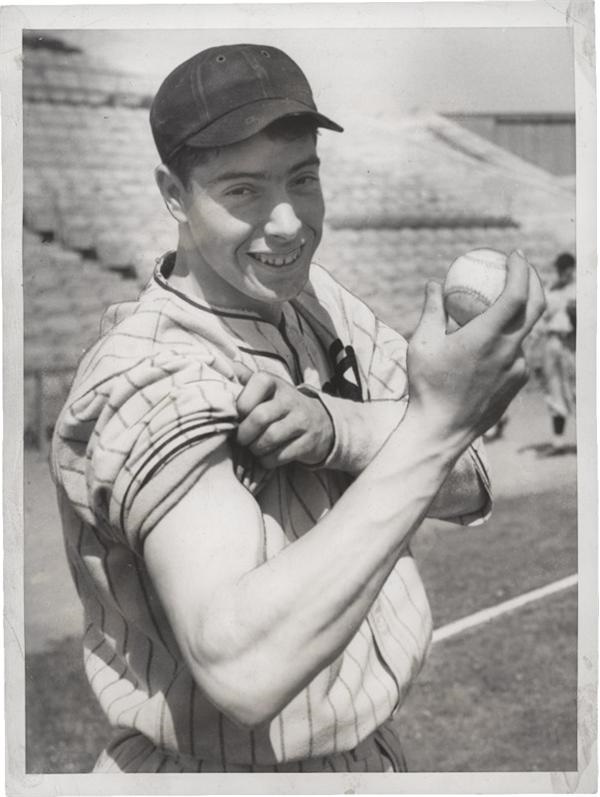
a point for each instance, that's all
(349, 436)
(360, 429)
(348, 449)
(431, 432)
(327, 425)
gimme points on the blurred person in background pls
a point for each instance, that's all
(559, 330)
(247, 451)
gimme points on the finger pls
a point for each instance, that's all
(278, 434)
(536, 304)
(526, 314)
(258, 421)
(242, 372)
(293, 451)
(433, 316)
(520, 371)
(508, 311)
(260, 387)
(515, 379)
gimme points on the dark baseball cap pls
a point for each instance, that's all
(227, 94)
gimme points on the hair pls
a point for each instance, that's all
(564, 261)
(287, 128)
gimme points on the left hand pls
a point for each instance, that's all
(279, 423)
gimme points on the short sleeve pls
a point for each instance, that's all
(141, 438)
(478, 457)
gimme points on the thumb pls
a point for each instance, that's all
(242, 372)
(433, 316)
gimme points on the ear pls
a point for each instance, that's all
(173, 192)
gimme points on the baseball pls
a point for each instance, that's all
(474, 281)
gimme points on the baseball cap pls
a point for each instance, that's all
(226, 94)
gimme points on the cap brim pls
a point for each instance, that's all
(250, 119)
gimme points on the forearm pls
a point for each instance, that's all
(362, 428)
(284, 621)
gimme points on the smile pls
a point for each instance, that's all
(270, 259)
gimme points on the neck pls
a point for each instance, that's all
(195, 279)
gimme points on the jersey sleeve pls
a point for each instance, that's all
(147, 432)
(479, 462)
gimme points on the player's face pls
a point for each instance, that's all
(255, 216)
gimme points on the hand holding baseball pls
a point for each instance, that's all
(475, 280)
(463, 382)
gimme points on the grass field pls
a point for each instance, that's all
(498, 697)
(501, 696)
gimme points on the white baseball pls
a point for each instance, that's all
(474, 281)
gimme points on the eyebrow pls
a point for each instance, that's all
(233, 175)
(311, 161)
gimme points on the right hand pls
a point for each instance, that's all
(463, 382)
(280, 424)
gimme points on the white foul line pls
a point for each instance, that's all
(485, 615)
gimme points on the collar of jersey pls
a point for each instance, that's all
(165, 265)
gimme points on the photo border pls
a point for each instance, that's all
(578, 16)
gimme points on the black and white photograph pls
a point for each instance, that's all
(300, 472)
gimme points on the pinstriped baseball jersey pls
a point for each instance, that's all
(152, 398)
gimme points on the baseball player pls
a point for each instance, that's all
(559, 328)
(247, 451)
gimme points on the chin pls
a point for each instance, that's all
(270, 296)
(281, 290)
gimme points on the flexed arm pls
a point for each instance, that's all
(282, 423)
(254, 634)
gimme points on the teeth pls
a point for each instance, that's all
(276, 260)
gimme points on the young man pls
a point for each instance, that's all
(239, 468)
(559, 327)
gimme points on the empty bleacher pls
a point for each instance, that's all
(404, 259)
(89, 183)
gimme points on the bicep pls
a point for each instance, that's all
(211, 538)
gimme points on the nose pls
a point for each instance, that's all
(283, 222)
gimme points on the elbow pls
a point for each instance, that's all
(244, 689)
(250, 713)
(240, 696)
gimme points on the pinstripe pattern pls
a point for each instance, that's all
(152, 398)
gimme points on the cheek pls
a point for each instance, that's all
(319, 209)
(215, 227)
(312, 211)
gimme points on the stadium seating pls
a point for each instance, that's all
(403, 260)
(404, 197)
(64, 297)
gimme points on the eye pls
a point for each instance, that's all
(239, 190)
(306, 180)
